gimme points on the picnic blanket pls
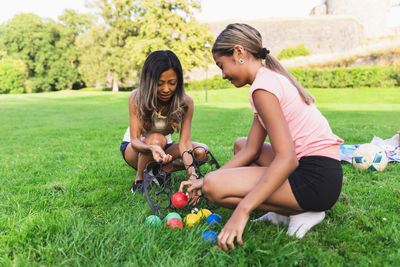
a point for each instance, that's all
(391, 147)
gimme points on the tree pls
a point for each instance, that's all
(175, 29)
(135, 28)
(92, 57)
(72, 25)
(76, 23)
(44, 47)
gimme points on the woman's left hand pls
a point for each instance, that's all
(233, 229)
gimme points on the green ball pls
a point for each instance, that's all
(153, 221)
(172, 215)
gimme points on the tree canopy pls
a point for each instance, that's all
(133, 29)
(45, 49)
(106, 49)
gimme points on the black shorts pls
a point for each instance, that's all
(124, 144)
(316, 183)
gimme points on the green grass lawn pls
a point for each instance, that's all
(65, 199)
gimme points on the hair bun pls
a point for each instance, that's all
(263, 53)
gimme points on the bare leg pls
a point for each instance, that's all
(265, 157)
(131, 156)
(144, 158)
(177, 163)
(139, 160)
(276, 215)
(228, 187)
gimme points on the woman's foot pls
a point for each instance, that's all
(274, 218)
(137, 185)
(300, 224)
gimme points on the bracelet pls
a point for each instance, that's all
(186, 151)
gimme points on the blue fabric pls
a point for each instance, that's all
(346, 153)
(123, 146)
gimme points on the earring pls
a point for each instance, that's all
(241, 60)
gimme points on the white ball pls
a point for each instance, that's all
(195, 210)
(371, 157)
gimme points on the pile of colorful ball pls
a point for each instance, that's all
(173, 220)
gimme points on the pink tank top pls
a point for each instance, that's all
(309, 129)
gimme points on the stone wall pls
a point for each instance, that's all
(319, 34)
(383, 52)
(372, 14)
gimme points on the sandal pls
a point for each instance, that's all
(137, 185)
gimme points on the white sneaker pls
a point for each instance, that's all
(301, 223)
(274, 218)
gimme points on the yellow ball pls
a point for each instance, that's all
(204, 213)
(191, 219)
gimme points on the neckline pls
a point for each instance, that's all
(159, 116)
(260, 69)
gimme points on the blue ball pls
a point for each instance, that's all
(210, 236)
(214, 219)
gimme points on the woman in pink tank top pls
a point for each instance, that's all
(298, 175)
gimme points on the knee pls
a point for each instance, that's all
(209, 186)
(239, 144)
(156, 139)
(201, 154)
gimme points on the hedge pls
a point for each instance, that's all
(12, 76)
(371, 76)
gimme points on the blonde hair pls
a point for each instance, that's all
(146, 101)
(251, 40)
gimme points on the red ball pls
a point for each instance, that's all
(179, 200)
(174, 223)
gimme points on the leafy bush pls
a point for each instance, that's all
(47, 48)
(371, 76)
(12, 76)
(292, 51)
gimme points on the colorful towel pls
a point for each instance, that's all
(389, 145)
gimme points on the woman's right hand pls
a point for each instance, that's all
(159, 155)
(193, 191)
